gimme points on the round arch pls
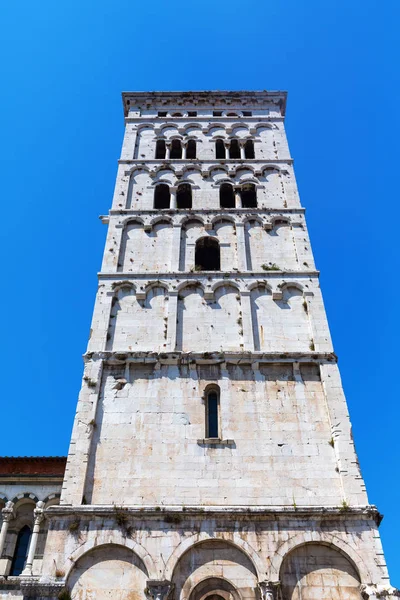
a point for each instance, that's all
(197, 538)
(325, 539)
(209, 587)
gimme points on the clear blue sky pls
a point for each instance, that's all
(64, 65)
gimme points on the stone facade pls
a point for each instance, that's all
(211, 455)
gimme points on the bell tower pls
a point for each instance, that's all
(211, 454)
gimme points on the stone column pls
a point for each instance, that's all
(241, 247)
(184, 148)
(172, 320)
(168, 150)
(158, 590)
(7, 513)
(227, 145)
(238, 197)
(172, 191)
(242, 154)
(176, 246)
(269, 590)
(38, 514)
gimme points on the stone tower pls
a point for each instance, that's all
(211, 455)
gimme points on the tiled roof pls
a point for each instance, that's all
(32, 465)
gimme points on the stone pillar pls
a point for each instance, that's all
(184, 148)
(226, 144)
(7, 514)
(242, 154)
(172, 320)
(158, 590)
(238, 197)
(247, 321)
(269, 590)
(172, 191)
(167, 150)
(38, 518)
(241, 247)
(176, 246)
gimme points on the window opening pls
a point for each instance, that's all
(162, 114)
(207, 255)
(160, 149)
(21, 551)
(184, 196)
(176, 149)
(248, 195)
(234, 149)
(191, 149)
(247, 113)
(217, 113)
(226, 196)
(220, 149)
(231, 114)
(192, 113)
(161, 196)
(212, 415)
(249, 149)
(177, 114)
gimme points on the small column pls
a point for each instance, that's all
(172, 191)
(269, 590)
(176, 246)
(247, 321)
(227, 145)
(242, 154)
(238, 197)
(167, 150)
(241, 247)
(172, 320)
(38, 514)
(7, 513)
(158, 590)
(184, 149)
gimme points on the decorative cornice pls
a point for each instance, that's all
(205, 274)
(205, 98)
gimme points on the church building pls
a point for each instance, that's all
(211, 456)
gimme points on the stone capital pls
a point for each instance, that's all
(158, 590)
(269, 590)
(7, 512)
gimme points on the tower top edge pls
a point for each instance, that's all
(205, 98)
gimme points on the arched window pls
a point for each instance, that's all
(212, 410)
(249, 149)
(220, 149)
(231, 114)
(176, 149)
(160, 149)
(161, 196)
(21, 551)
(207, 255)
(248, 195)
(226, 196)
(191, 149)
(234, 149)
(177, 114)
(184, 195)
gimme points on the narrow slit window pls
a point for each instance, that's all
(226, 196)
(192, 113)
(217, 113)
(249, 149)
(21, 551)
(162, 113)
(184, 196)
(234, 149)
(191, 149)
(220, 149)
(247, 113)
(160, 149)
(212, 429)
(176, 149)
(161, 196)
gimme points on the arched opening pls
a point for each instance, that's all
(207, 255)
(317, 571)
(226, 196)
(176, 114)
(248, 195)
(212, 413)
(176, 149)
(249, 149)
(21, 551)
(191, 149)
(231, 114)
(161, 196)
(184, 195)
(160, 149)
(234, 149)
(220, 149)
